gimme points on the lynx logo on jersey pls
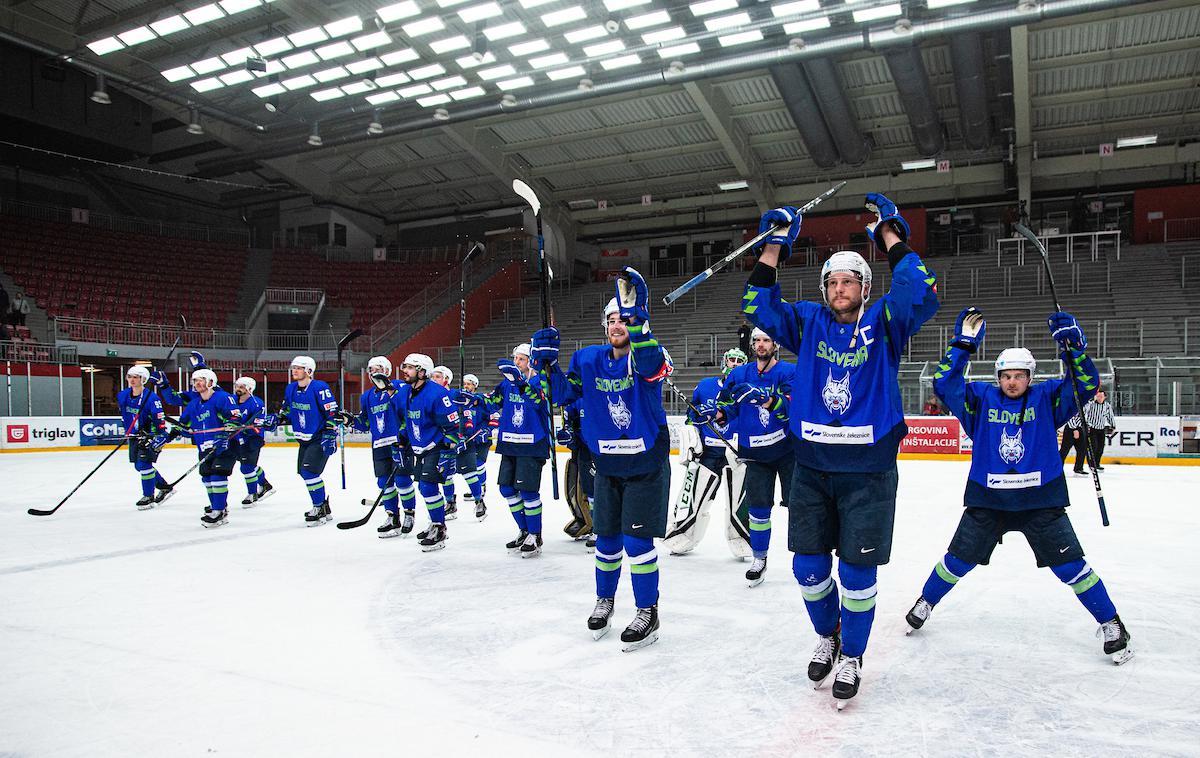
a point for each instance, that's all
(379, 424)
(416, 432)
(1011, 448)
(518, 418)
(300, 419)
(764, 416)
(619, 413)
(836, 393)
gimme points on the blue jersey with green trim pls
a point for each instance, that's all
(762, 433)
(307, 408)
(523, 424)
(845, 409)
(147, 409)
(208, 417)
(431, 419)
(707, 390)
(1014, 455)
(380, 416)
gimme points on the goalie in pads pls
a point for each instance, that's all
(711, 471)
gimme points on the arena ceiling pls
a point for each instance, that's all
(599, 103)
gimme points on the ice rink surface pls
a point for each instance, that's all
(130, 633)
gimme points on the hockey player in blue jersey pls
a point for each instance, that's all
(523, 443)
(625, 427)
(1016, 481)
(431, 425)
(143, 418)
(479, 423)
(846, 416)
(754, 404)
(711, 471)
(382, 410)
(465, 464)
(208, 419)
(309, 407)
(247, 445)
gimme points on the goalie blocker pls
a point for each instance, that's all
(710, 475)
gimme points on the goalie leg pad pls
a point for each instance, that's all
(691, 512)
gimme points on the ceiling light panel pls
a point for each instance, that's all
(391, 80)
(390, 13)
(331, 74)
(357, 88)
(363, 66)
(603, 48)
(564, 16)
(396, 57)
(169, 25)
(423, 26)
(371, 41)
(336, 50)
(664, 35)
(236, 77)
(450, 82)
(308, 37)
(432, 100)
(237, 6)
(727, 22)
(424, 72)
(136, 36)
(327, 94)
(204, 14)
(740, 38)
(620, 5)
(298, 82)
(237, 56)
(877, 13)
(707, 7)
(449, 3)
(529, 48)
(468, 93)
(808, 25)
(345, 26)
(546, 61)
(470, 61)
(273, 46)
(678, 51)
(566, 73)
(575, 36)
(480, 12)
(208, 65)
(178, 74)
(504, 31)
(448, 44)
(654, 18)
(620, 62)
(519, 83)
(415, 90)
(534, 3)
(105, 46)
(204, 85)
(306, 58)
(496, 72)
(379, 98)
(269, 90)
(783, 10)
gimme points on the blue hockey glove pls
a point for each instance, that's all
(565, 436)
(544, 346)
(748, 393)
(447, 464)
(219, 445)
(705, 413)
(633, 297)
(197, 360)
(270, 422)
(510, 371)
(788, 217)
(1065, 329)
(159, 441)
(329, 441)
(468, 399)
(969, 329)
(343, 417)
(885, 212)
(485, 438)
(158, 379)
(397, 455)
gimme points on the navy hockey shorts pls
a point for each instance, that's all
(1047, 530)
(587, 471)
(381, 458)
(848, 511)
(247, 449)
(218, 465)
(522, 473)
(713, 459)
(310, 458)
(466, 461)
(481, 453)
(141, 452)
(758, 486)
(424, 467)
(633, 505)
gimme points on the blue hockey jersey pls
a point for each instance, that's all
(762, 433)
(523, 424)
(245, 413)
(706, 391)
(1014, 457)
(845, 409)
(431, 419)
(149, 417)
(380, 415)
(207, 418)
(307, 408)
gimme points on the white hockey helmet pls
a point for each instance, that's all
(523, 349)
(609, 310)
(1015, 358)
(847, 261)
(141, 371)
(210, 379)
(447, 373)
(381, 363)
(760, 333)
(421, 361)
(471, 378)
(306, 363)
(247, 382)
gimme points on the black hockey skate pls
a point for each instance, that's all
(249, 500)
(642, 631)
(590, 543)
(1116, 640)
(480, 510)
(847, 679)
(264, 492)
(213, 519)
(574, 527)
(531, 547)
(163, 492)
(757, 572)
(514, 546)
(919, 614)
(145, 503)
(391, 527)
(452, 508)
(318, 514)
(827, 651)
(407, 523)
(601, 619)
(434, 539)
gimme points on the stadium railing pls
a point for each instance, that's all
(1090, 244)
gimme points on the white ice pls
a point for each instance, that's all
(142, 634)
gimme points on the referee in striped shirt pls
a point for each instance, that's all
(1100, 421)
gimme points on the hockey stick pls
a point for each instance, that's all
(136, 416)
(707, 273)
(342, 343)
(527, 194)
(462, 310)
(211, 453)
(378, 499)
(711, 426)
(1028, 234)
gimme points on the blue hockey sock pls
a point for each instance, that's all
(608, 564)
(474, 482)
(149, 475)
(160, 482)
(388, 501)
(943, 577)
(1088, 588)
(316, 489)
(434, 503)
(250, 473)
(218, 491)
(814, 572)
(760, 530)
(262, 478)
(643, 569)
(515, 506)
(858, 605)
(448, 490)
(532, 503)
(407, 492)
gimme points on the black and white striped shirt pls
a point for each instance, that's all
(1099, 416)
